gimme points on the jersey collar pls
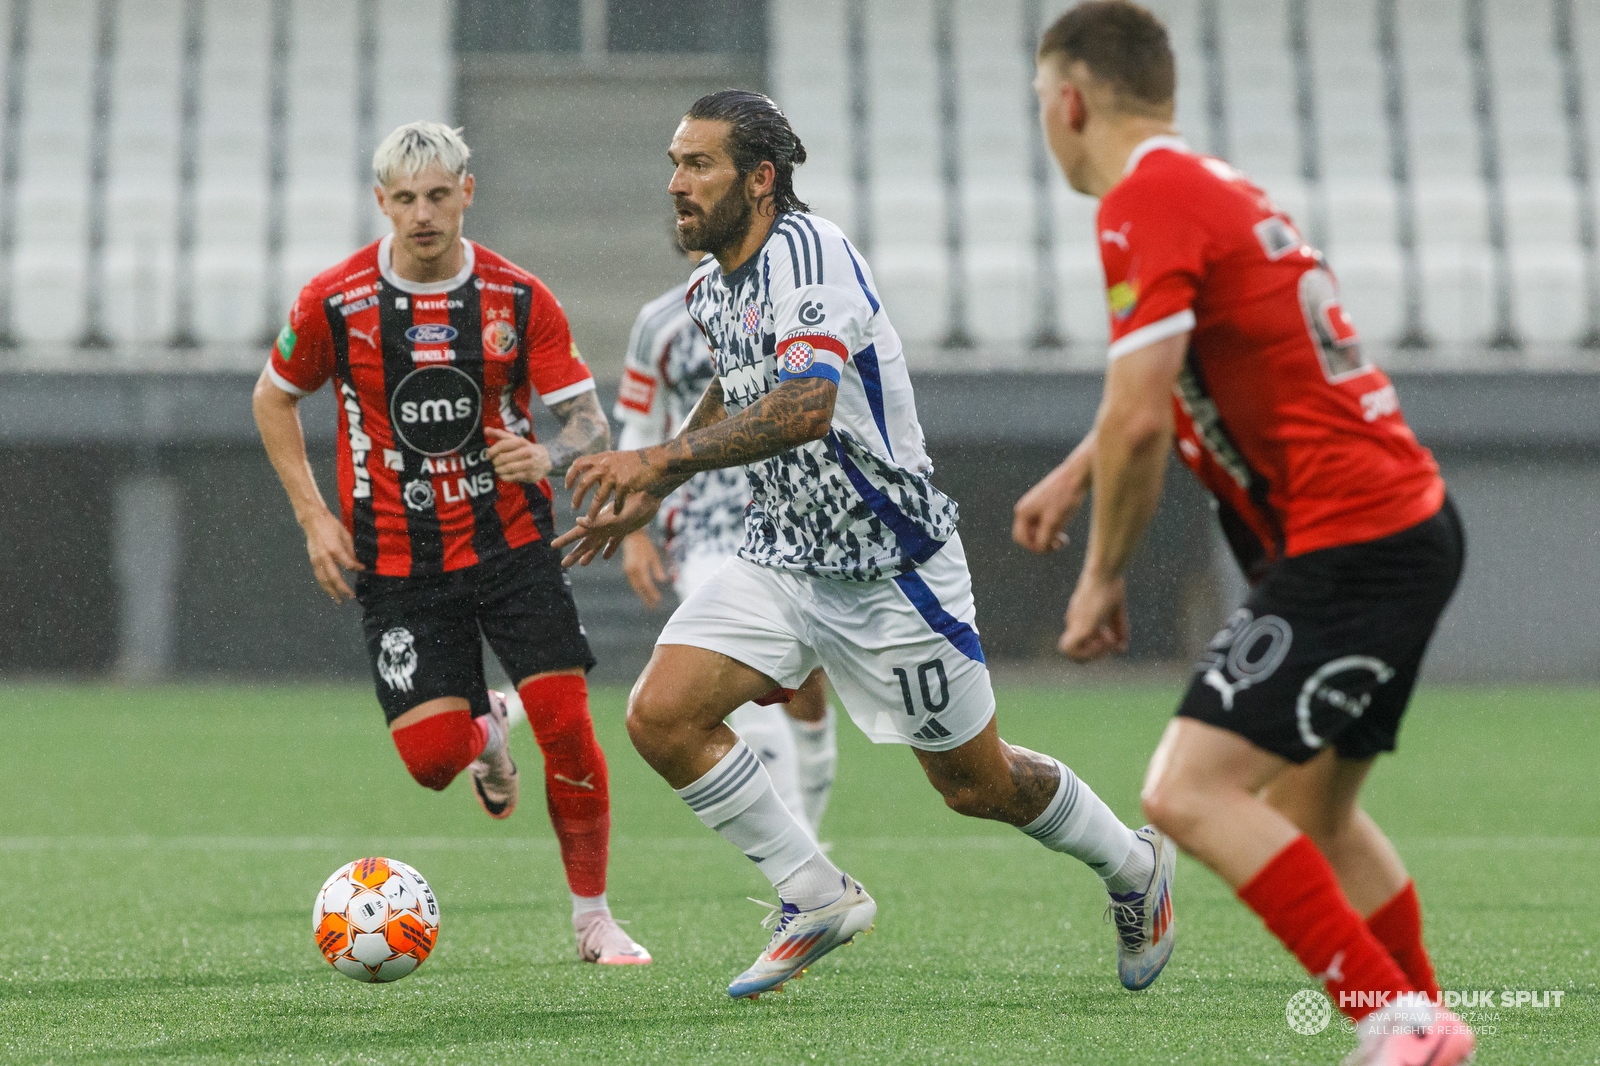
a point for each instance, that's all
(419, 288)
(1151, 144)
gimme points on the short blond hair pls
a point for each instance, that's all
(412, 148)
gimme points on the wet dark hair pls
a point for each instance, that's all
(757, 131)
(1123, 45)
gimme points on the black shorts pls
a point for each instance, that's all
(1326, 648)
(423, 633)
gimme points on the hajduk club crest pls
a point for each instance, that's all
(499, 338)
(751, 321)
(798, 357)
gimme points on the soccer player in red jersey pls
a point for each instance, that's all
(1228, 338)
(436, 346)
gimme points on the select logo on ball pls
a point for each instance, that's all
(435, 409)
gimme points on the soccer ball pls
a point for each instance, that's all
(375, 920)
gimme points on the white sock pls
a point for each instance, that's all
(815, 883)
(766, 730)
(1079, 823)
(582, 906)
(736, 798)
(1136, 870)
(817, 749)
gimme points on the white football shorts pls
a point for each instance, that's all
(902, 653)
(765, 729)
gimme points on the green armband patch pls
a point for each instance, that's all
(286, 339)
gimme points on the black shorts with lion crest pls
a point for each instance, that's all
(1325, 651)
(423, 633)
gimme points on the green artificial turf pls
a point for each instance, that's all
(159, 850)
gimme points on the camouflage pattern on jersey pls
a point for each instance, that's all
(838, 507)
(705, 513)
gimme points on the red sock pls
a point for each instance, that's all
(1398, 927)
(440, 746)
(575, 781)
(1297, 895)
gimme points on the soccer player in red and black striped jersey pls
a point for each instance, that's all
(436, 347)
(1229, 340)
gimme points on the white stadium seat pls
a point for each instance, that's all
(53, 186)
(1259, 74)
(1458, 298)
(811, 84)
(1080, 281)
(231, 208)
(1586, 34)
(1352, 207)
(1183, 27)
(327, 180)
(1370, 289)
(1547, 282)
(141, 201)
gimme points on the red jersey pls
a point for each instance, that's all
(1279, 414)
(421, 369)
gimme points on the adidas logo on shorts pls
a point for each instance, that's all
(931, 731)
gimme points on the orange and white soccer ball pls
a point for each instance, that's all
(375, 920)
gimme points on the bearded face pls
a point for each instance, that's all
(717, 230)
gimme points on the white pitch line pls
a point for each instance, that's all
(515, 844)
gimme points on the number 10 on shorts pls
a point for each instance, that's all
(929, 675)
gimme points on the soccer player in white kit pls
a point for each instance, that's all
(850, 560)
(701, 523)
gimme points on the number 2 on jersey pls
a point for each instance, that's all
(933, 668)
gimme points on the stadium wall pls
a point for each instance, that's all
(147, 536)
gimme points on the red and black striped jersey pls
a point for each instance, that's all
(421, 369)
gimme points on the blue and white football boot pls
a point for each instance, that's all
(803, 937)
(1144, 920)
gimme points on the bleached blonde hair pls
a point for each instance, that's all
(412, 148)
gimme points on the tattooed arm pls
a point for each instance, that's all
(584, 430)
(796, 412)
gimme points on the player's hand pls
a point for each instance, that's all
(642, 563)
(602, 535)
(330, 546)
(516, 458)
(612, 476)
(1097, 620)
(1041, 516)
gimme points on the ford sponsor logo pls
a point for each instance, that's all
(431, 333)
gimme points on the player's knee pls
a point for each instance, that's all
(437, 748)
(654, 723)
(1172, 807)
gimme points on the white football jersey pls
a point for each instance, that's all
(667, 371)
(856, 505)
